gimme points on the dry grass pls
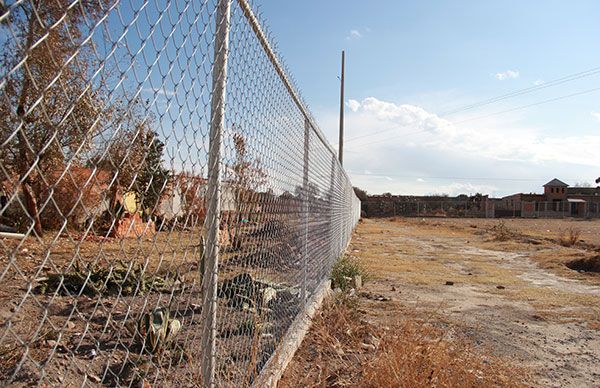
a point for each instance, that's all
(343, 350)
(569, 237)
(418, 355)
(500, 232)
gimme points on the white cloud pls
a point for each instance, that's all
(353, 105)
(485, 140)
(160, 92)
(507, 75)
(464, 188)
(357, 33)
(596, 115)
(539, 82)
(409, 143)
(404, 115)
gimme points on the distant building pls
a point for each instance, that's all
(558, 200)
(555, 191)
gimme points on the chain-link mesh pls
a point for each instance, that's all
(105, 129)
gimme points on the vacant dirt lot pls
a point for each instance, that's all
(501, 286)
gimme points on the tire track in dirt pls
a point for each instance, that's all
(501, 300)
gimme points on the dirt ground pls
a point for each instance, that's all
(501, 285)
(68, 332)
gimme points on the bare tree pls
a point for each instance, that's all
(248, 176)
(133, 157)
(49, 107)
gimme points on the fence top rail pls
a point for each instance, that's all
(264, 41)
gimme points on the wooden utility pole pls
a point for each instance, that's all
(341, 140)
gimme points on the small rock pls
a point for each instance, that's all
(269, 294)
(393, 288)
(469, 274)
(357, 281)
(351, 292)
(500, 287)
(93, 378)
(449, 283)
(70, 325)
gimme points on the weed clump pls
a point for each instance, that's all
(501, 232)
(344, 271)
(569, 237)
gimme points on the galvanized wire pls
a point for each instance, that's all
(105, 120)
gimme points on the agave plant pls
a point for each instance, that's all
(157, 330)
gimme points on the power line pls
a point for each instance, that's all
(519, 92)
(515, 93)
(397, 126)
(383, 175)
(491, 114)
(531, 105)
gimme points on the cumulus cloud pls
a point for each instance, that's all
(353, 105)
(477, 138)
(456, 188)
(409, 143)
(508, 74)
(403, 115)
(596, 115)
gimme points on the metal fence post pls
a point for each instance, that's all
(217, 122)
(332, 252)
(305, 207)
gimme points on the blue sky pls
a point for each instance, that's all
(409, 62)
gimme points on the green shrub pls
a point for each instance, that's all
(346, 267)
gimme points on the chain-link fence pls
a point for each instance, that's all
(169, 209)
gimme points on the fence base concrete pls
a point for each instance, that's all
(274, 368)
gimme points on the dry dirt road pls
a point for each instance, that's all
(513, 298)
